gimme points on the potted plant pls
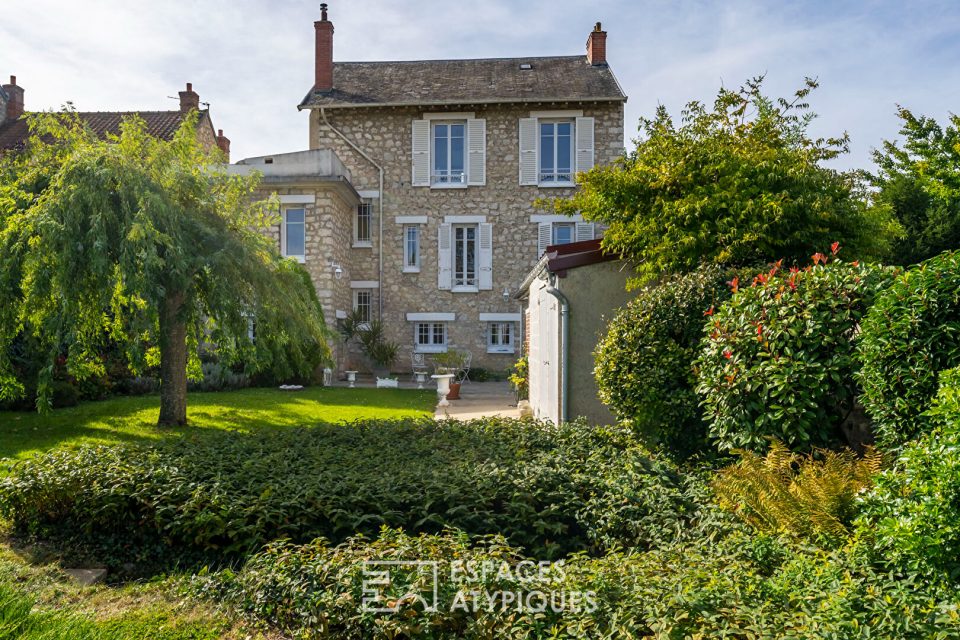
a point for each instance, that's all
(453, 362)
(382, 353)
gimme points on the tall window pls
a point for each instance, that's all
(362, 224)
(465, 255)
(430, 337)
(556, 151)
(563, 232)
(411, 248)
(363, 304)
(500, 337)
(293, 236)
(448, 153)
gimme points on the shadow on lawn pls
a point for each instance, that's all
(133, 419)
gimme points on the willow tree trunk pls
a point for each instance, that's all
(173, 361)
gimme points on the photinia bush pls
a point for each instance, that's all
(778, 357)
(910, 335)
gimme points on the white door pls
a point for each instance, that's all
(547, 336)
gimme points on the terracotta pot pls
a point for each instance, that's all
(454, 391)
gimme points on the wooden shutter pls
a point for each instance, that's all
(485, 279)
(584, 134)
(544, 237)
(444, 257)
(477, 152)
(528, 151)
(584, 231)
(421, 153)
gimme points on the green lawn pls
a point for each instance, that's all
(134, 418)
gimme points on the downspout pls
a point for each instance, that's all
(564, 342)
(323, 115)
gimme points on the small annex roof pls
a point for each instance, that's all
(478, 81)
(160, 124)
(558, 258)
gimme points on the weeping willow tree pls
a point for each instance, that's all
(147, 244)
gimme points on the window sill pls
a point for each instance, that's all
(425, 349)
(501, 350)
(465, 290)
(362, 245)
(449, 186)
(300, 259)
(557, 185)
(411, 269)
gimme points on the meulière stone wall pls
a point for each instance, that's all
(385, 135)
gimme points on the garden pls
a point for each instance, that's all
(785, 460)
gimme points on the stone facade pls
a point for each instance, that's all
(385, 135)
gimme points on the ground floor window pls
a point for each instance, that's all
(363, 304)
(500, 337)
(430, 337)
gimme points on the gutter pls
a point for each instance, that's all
(449, 103)
(564, 344)
(323, 115)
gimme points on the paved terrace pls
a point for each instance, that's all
(477, 399)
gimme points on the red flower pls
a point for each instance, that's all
(855, 263)
(727, 354)
(734, 284)
(835, 248)
(818, 258)
(709, 312)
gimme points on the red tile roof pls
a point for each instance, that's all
(160, 124)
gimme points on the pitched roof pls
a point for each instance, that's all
(490, 80)
(160, 124)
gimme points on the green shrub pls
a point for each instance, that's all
(778, 358)
(910, 335)
(913, 515)
(737, 586)
(549, 489)
(644, 363)
(784, 493)
(520, 377)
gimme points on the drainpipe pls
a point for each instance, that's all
(323, 116)
(564, 342)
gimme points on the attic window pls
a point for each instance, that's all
(525, 66)
(268, 161)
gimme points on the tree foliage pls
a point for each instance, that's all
(147, 244)
(737, 184)
(919, 183)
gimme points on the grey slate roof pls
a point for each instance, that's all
(490, 80)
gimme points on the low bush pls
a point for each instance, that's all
(913, 515)
(737, 586)
(778, 359)
(219, 377)
(644, 363)
(551, 490)
(911, 334)
(784, 493)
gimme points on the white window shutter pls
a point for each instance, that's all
(528, 151)
(421, 153)
(444, 257)
(584, 134)
(584, 231)
(486, 256)
(476, 152)
(544, 237)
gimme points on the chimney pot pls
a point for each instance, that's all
(189, 99)
(323, 68)
(597, 46)
(223, 142)
(15, 103)
(13, 79)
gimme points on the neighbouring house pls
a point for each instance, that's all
(569, 297)
(446, 158)
(14, 131)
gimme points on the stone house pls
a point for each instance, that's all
(569, 297)
(160, 124)
(423, 216)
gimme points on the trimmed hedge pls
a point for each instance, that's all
(911, 334)
(778, 360)
(222, 495)
(644, 363)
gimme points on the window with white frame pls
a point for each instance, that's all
(293, 234)
(430, 337)
(556, 151)
(411, 248)
(449, 152)
(563, 233)
(363, 304)
(362, 225)
(500, 336)
(465, 255)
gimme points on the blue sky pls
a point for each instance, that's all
(253, 59)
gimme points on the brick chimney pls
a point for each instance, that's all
(224, 143)
(597, 46)
(189, 99)
(324, 55)
(15, 103)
